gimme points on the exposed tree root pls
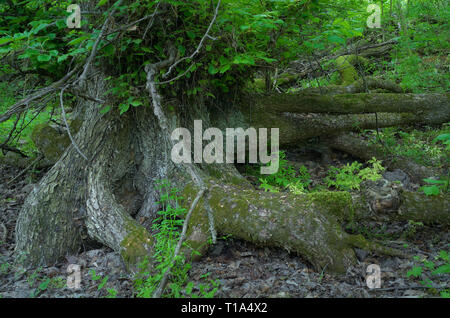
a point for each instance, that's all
(309, 225)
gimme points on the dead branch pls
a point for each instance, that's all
(158, 292)
(39, 158)
(82, 78)
(23, 105)
(197, 50)
(61, 101)
(12, 149)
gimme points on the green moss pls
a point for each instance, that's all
(339, 204)
(49, 141)
(197, 234)
(347, 71)
(360, 241)
(136, 245)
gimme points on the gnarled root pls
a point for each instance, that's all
(309, 225)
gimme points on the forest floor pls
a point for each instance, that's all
(243, 270)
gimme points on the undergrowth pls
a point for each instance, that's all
(167, 227)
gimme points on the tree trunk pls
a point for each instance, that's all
(112, 197)
(95, 198)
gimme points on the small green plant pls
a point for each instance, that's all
(167, 227)
(42, 287)
(112, 293)
(435, 187)
(205, 290)
(44, 284)
(349, 177)
(412, 228)
(286, 178)
(423, 147)
(427, 269)
(96, 277)
(445, 139)
(4, 268)
(33, 277)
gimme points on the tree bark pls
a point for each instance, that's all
(112, 197)
(310, 224)
(303, 115)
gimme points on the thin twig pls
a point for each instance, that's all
(5, 147)
(23, 104)
(177, 77)
(26, 169)
(63, 112)
(197, 50)
(83, 75)
(77, 93)
(404, 288)
(5, 232)
(150, 23)
(159, 290)
(129, 25)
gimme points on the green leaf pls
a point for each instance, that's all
(443, 137)
(416, 272)
(101, 3)
(432, 181)
(445, 294)
(61, 24)
(40, 27)
(136, 103)
(78, 40)
(123, 108)
(5, 40)
(444, 269)
(105, 109)
(44, 58)
(444, 255)
(225, 68)
(432, 190)
(63, 58)
(212, 69)
(336, 39)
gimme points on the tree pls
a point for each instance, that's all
(152, 66)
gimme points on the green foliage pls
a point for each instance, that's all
(286, 178)
(423, 147)
(435, 187)
(167, 227)
(96, 277)
(420, 59)
(349, 177)
(425, 270)
(445, 138)
(412, 229)
(111, 292)
(429, 147)
(24, 125)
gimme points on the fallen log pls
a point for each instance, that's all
(302, 116)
